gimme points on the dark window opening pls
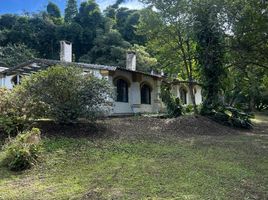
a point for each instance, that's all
(183, 96)
(122, 90)
(16, 80)
(145, 94)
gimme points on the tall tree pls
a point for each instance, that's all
(70, 11)
(130, 29)
(145, 61)
(247, 88)
(168, 30)
(53, 10)
(91, 19)
(247, 45)
(35, 31)
(108, 49)
(248, 27)
(210, 50)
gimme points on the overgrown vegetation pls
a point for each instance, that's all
(23, 151)
(207, 41)
(14, 54)
(60, 93)
(232, 117)
(210, 52)
(12, 115)
(172, 103)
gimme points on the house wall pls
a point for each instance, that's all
(135, 81)
(134, 104)
(5, 81)
(198, 95)
(1, 81)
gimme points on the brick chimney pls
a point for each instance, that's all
(65, 51)
(131, 60)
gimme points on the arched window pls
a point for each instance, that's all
(122, 90)
(16, 79)
(145, 94)
(195, 90)
(183, 96)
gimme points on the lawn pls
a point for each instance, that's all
(146, 163)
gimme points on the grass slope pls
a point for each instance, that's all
(145, 163)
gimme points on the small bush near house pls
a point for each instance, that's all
(64, 94)
(12, 120)
(188, 109)
(174, 108)
(23, 151)
(11, 125)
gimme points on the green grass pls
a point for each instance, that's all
(172, 167)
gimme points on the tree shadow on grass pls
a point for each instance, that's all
(75, 130)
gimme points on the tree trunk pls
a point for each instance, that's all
(188, 67)
(252, 104)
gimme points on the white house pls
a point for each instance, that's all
(2, 79)
(181, 89)
(137, 92)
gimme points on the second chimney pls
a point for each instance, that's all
(131, 60)
(65, 51)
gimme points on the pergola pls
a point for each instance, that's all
(35, 65)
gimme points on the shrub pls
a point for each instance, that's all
(188, 108)
(63, 94)
(174, 108)
(4, 104)
(232, 117)
(23, 151)
(262, 101)
(11, 125)
(11, 120)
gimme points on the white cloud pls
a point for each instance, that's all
(134, 4)
(104, 3)
(131, 4)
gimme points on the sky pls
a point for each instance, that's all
(20, 6)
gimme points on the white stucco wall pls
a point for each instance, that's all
(6, 82)
(134, 104)
(198, 95)
(1, 81)
(134, 98)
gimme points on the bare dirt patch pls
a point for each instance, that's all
(146, 127)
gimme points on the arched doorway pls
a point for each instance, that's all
(145, 94)
(121, 90)
(183, 95)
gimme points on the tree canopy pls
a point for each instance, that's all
(221, 44)
(96, 36)
(53, 10)
(70, 11)
(14, 54)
